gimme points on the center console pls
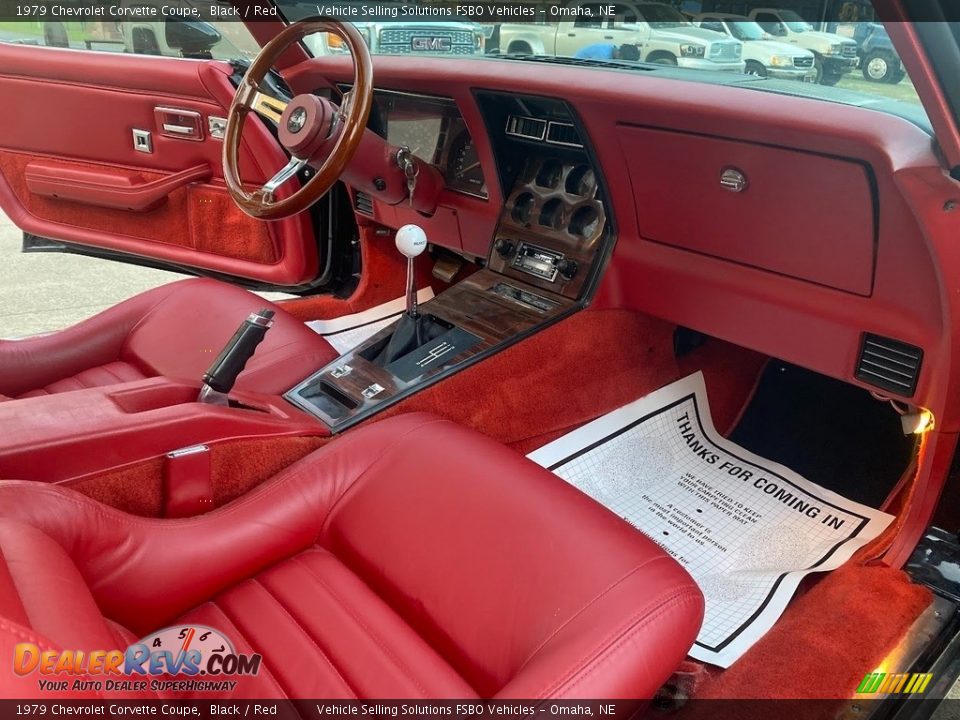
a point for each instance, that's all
(551, 241)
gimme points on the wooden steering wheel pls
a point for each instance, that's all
(307, 126)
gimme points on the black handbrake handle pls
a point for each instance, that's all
(222, 374)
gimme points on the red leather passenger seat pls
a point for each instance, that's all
(412, 558)
(175, 330)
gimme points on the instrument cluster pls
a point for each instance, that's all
(434, 130)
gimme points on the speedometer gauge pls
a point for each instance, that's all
(464, 172)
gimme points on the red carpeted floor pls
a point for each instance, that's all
(827, 640)
(578, 370)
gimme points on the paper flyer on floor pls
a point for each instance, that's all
(346, 332)
(747, 529)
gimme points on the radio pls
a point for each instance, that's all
(537, 261)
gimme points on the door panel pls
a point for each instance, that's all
(68, 163)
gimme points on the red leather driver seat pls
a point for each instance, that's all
(408, 559)
(175, 330)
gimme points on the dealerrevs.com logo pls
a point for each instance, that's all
(181, 658)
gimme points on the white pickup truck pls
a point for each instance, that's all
(764, 57)
(835, 55)
(662, 35)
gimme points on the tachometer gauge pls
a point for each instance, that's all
(464, 172)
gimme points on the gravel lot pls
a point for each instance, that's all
(40, 292)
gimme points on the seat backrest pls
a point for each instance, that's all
(44, 602)
(526, 586)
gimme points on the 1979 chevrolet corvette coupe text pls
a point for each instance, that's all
(200, 481)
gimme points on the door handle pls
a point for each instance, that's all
(179, 123)
(179, 129)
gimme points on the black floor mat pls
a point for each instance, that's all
(832, 433)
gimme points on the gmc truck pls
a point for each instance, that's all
(408, 37)
(662, 35)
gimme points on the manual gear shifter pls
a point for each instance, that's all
(411, 240)
(413, 329)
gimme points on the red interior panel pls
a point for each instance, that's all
(198, 216)
(111, 188)
(809, 323)
(785, 219)
(78, 117)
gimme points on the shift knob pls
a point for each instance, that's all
(411, 240)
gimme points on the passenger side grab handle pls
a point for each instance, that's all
(116, 189)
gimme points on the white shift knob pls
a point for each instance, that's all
(411, 240)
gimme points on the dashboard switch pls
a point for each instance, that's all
(568, 268)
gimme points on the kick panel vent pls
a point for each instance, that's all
(889, 364)
(363, 203)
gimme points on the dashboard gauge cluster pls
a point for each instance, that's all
(558, 196)
(434, 130)
(555, 223)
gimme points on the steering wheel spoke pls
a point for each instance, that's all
(288, 171)
(267, 106)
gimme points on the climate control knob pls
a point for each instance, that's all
(568, 268)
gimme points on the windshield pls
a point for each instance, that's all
(746, 30)
(662, 16)
(794, 21)
(649, 39)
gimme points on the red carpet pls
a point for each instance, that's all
(581, 368)
(828, 638)
(570, 373)
(236, 467)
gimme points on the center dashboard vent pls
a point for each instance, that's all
(561, 133)
(889, 364)
(540, 130)
(526, 127)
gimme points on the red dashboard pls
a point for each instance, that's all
(822, 248)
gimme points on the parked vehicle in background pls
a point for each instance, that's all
(878, 59)
(835, 55)
(763, 57)
(662, 35)
(399, 37)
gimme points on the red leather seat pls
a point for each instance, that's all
(410, 558)
(175, 330)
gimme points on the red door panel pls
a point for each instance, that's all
(69, 169)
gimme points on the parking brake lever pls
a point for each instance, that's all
(222, 374)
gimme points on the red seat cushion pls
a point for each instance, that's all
(409, 558)
(175, 330)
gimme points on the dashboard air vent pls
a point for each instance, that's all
(889, 364)
(363, 203)
(526, 127)
(560, 133)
